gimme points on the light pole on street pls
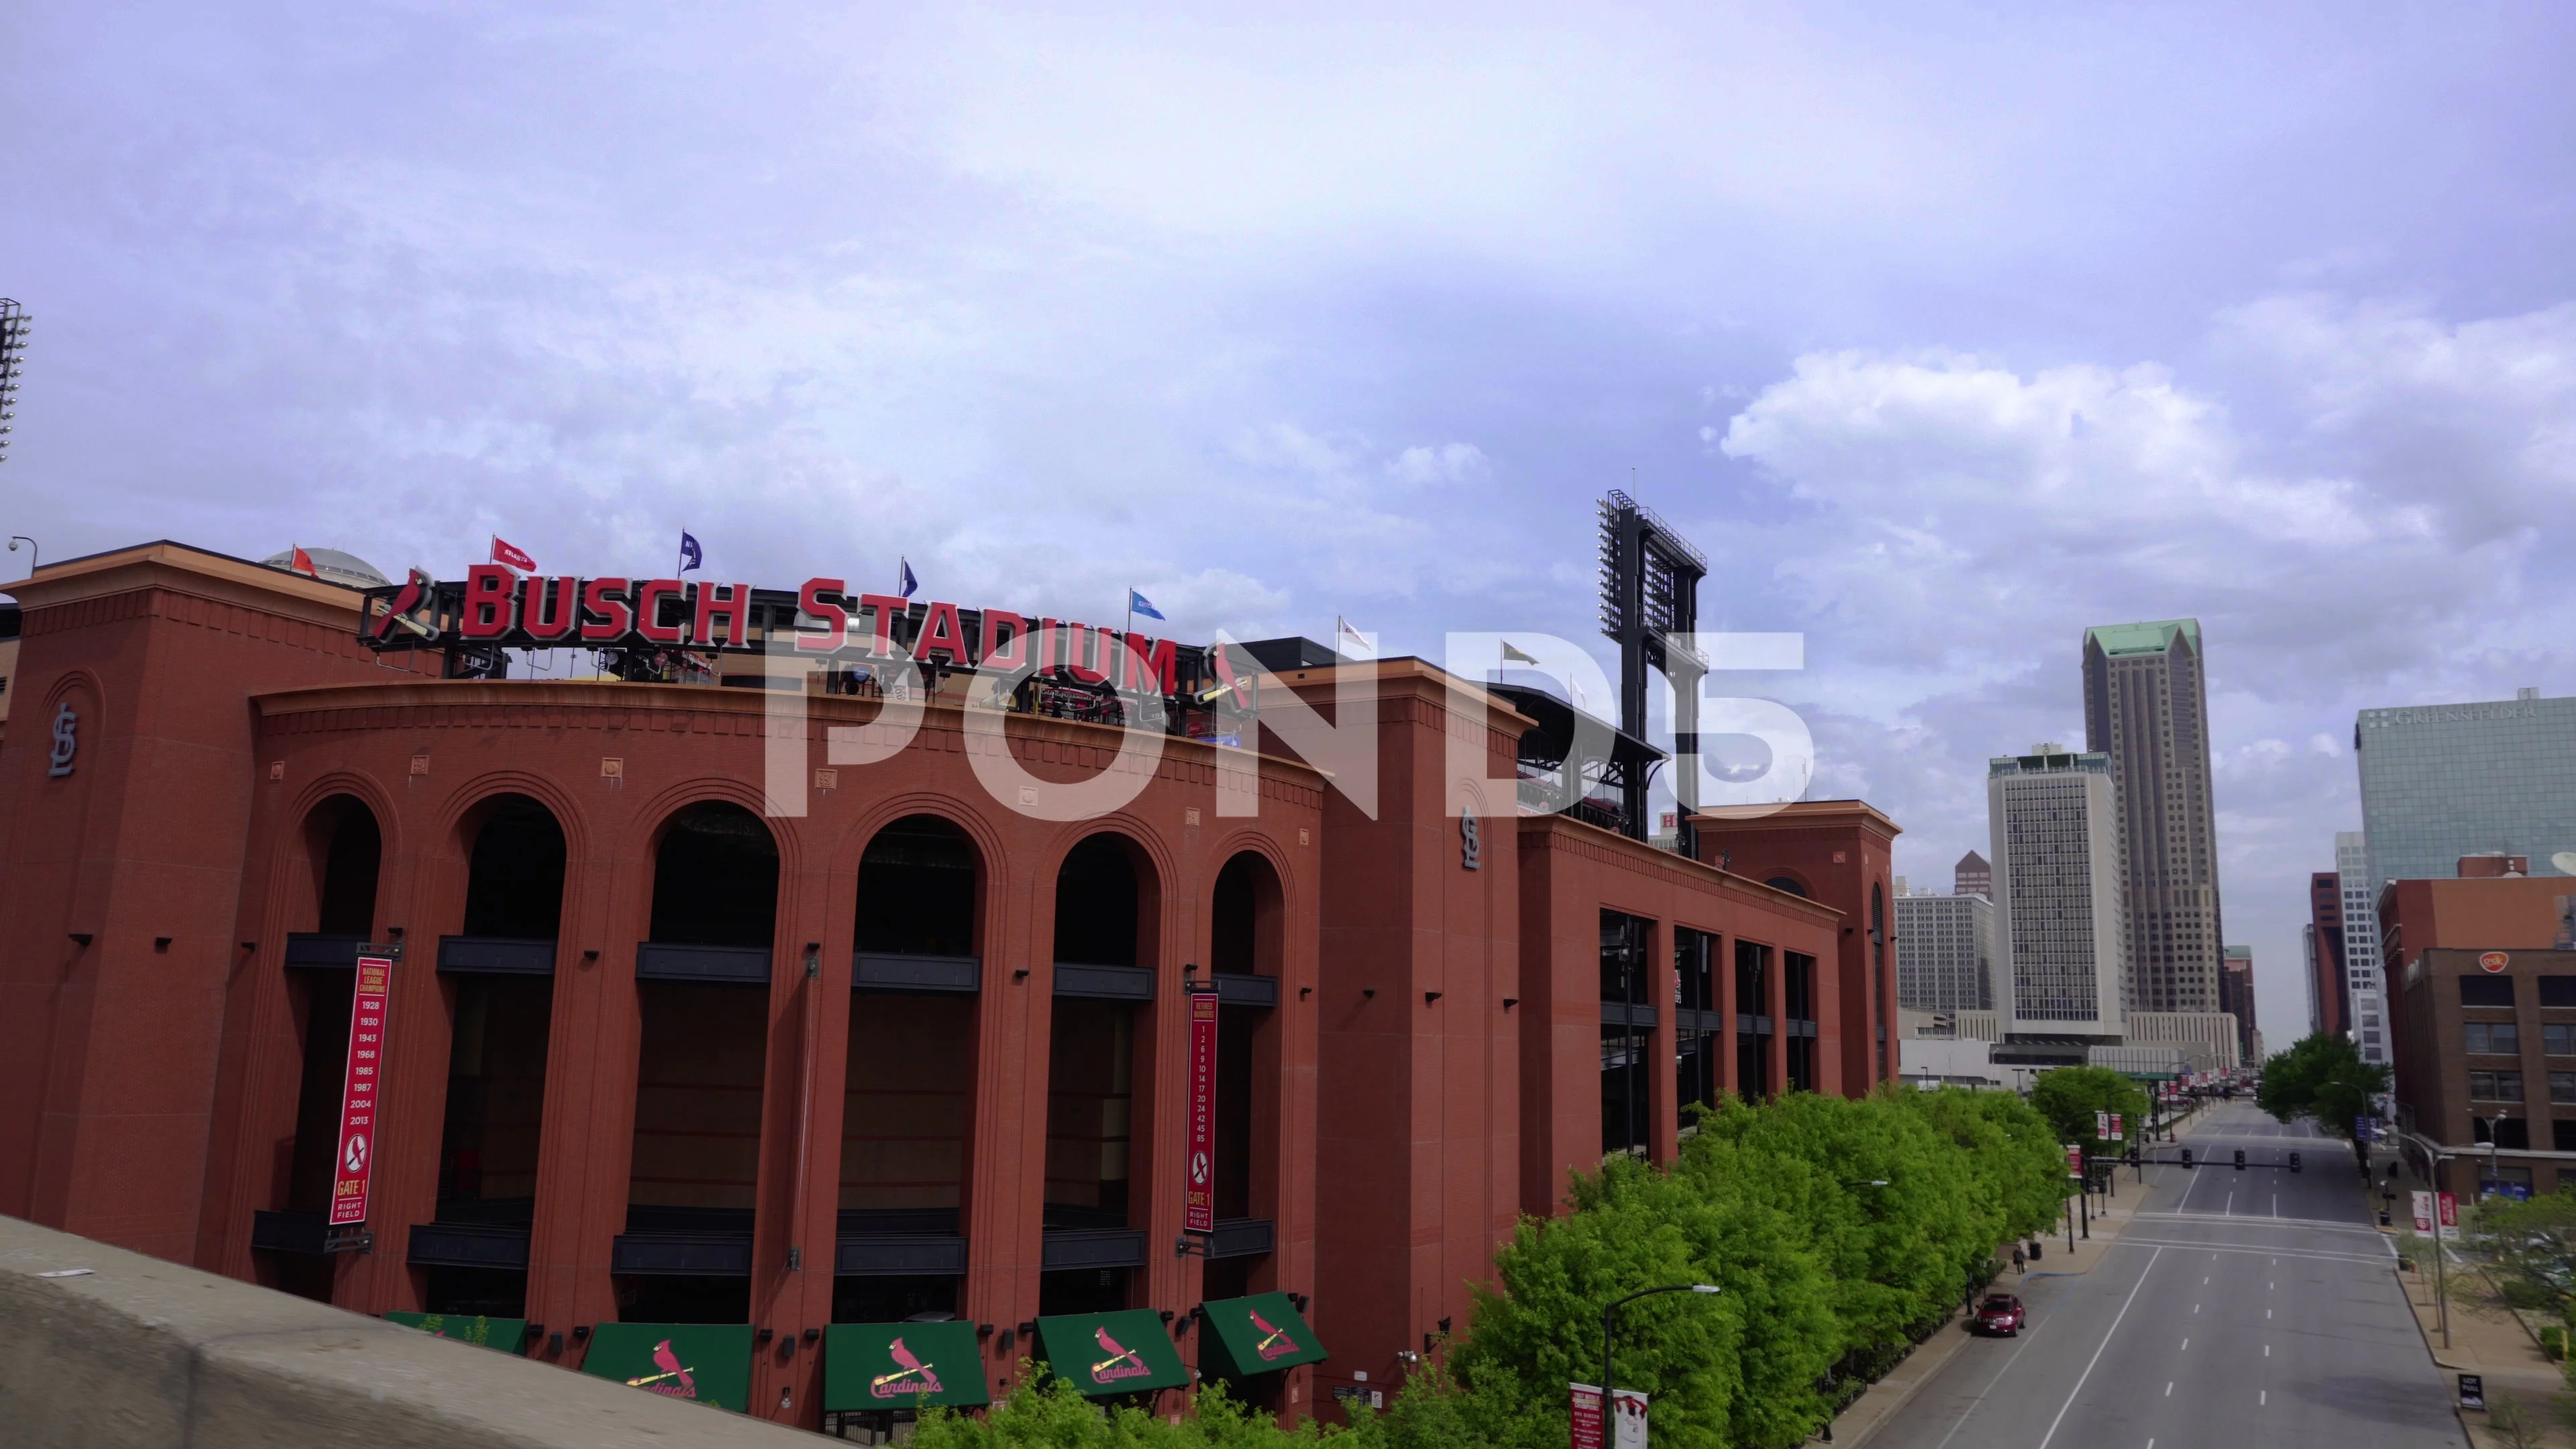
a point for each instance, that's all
(1609, 1323)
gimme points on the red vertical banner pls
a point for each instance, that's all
(1198, 1207)
(356, 1164)
(1586, 1417)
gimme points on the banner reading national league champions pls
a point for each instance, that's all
(355, 1166)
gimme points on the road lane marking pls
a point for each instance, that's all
(2169, 1388)
(2262, 1397)
(2132, 1241)
(2098, 1349)
(2267, 1313)
(2186, 1346)
(2267, 1350)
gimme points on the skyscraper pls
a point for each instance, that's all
(2329, 988)
(1945, 948)
(2446, 780)
(1973, 877)
(2236, 995)
(2146, 706)
(2061, 943)
(2364, 991)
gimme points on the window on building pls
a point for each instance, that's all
(1626, 1039)
(2495, 1087)
(2486, 991)
(2493, 1038)
(2511, 1181)
(2558, 1039)
(2558, 990)
(2562, 1135)
(2562, 1086)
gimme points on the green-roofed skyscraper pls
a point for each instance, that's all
(2146, 705)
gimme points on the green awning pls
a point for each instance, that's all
(1112, 1353)
(902, 1366)
(505, 1334)
(1255, 1335)
(706, 1363)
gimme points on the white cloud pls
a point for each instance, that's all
(1448, 463)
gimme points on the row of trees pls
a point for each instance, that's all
(2321, 1076)
(1841, 1232)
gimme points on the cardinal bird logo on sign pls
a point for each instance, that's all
(2494, 961)
(355, 1158)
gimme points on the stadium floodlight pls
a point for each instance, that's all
(14, 327)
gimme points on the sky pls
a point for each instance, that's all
(1943, 330)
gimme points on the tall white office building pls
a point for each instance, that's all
(2061, 929)
(1945, 948)
(2361, 945)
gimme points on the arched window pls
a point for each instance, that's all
(1103, 982)
(343, 849)
(907, 1108)
(499, 980)
(715, 879)
(702, 989)
(1247, 920)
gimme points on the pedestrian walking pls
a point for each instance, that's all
(2018, 1260)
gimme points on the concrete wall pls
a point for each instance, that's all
(141, 1351)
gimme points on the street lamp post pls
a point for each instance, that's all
(2495, 1166)
(1609, 1322)
(32, 551)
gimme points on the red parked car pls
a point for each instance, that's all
(2000, 1314)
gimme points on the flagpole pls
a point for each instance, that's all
(683, 555)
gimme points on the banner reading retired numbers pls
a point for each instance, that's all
(1198, 1210)
(356, 1164)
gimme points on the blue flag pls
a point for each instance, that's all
(909, 582)
(1138, 604)
(691, 556)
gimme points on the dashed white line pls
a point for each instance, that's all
(2267, 1350)
(2262, 1397)
(2169, 1388)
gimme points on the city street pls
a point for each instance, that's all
(2253, 1307)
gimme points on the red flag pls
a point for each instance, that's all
(510, 556)
(302, 563)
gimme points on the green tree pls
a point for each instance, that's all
(2322, 1076)
(1741, 1368)
(2012, 1151)
(1894, 1208)
(2528, 1250)
(2070, 1096)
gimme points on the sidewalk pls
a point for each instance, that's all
(2494, 1343)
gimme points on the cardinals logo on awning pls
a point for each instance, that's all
(672, 1380)
(911, 1378)
(1123, 1362)
(1275, 1342)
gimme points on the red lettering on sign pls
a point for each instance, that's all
(606, 617)
(819, 601)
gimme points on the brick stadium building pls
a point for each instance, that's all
(655, 1055)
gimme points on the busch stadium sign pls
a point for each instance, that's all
(655, 624)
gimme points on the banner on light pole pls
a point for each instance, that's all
(1587, 1417)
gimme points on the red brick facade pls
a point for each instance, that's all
(1431, 1068)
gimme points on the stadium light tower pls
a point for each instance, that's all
(13, 344)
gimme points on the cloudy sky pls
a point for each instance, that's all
(1944, 330)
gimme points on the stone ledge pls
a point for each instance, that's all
(144, 1352)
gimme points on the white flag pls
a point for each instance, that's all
(1350, 643)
